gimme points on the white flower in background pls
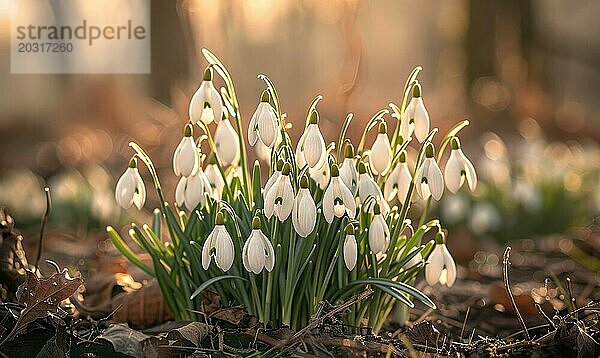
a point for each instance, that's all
(381, 152)
(130, 187)
(258, 251)
(279, 200)
(206, 105)
(350, 248)
(312, 144)
(367, 187)
(379, 233)
(415, 117)
(454, 208)
(185, 158)
(348, 172)
(190, 190)
(526, 193)
(459, 168)
(338, 199)
(304, 212)
(226, 143)
(263, 124)
(484, 218)
(218, 245)
(429, 181)
(441, 267)
(320, 175)
(398, 181)
(273, 178)
(215, 179)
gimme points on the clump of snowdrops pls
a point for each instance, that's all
(329, 220)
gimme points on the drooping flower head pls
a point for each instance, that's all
(415, 117)
(263, 124)
(398, 181)
(273, 178)
(350, 248)
(312, 145)
(191, 191)
(379, 233)
(280, 197)
(429, 181)
(441, 267)
(381, 152)
(218, 245)
(459, 168)
(226, 143)
(215, 179)
(258, 251)
(304, 212)
(130, 187)
(338, 199)
(206, 105)
(368, 188)
(185, 158)
(348, 172)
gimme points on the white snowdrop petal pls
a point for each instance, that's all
(139, 197)
(421, 118)
(224, 249)
(253, 128)
(313, 146)
(214, 99)
(404, 179)
(436, 180)
(452, 172)
(226, 143)
(215, 180)
(180, 191)
(270, 253)
(450, 266)
(256, 252)
(286, 192)
(270, 195)
(328, 202)
(185, 159)
(194, 192)
(208, 245)
(348, 199)
(433, 270)
(381, 154)
(350, 252)
(349, 174)
(390, 187)
(470, 173)
(267, 125)
(125, 189)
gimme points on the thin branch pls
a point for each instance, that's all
(43, 227)
(506, 263)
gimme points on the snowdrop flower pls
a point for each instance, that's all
(398, 181)
(367, 187)
(258, 251)
(263, 152)
(185, 159)
(337, 199)
(273, 178)
(379, 233)
(320, 174)
(190, 190)
(279, 200)
(226, 143)
(350, 248)
(381, 152)
(263, 124)
(459, 168)
(415, 117)
(312, 145)
(304, 212)
(441, 267)
(130, 187)
(218, 245)
(215, 180)
(348, 172)
(206, 105)
(429, 181)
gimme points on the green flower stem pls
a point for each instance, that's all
(405, 94)
(377, 117)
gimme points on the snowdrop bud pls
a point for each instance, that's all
(279, 200)
(312, 144)
(379, 233)
(206, 105)
(185, 158)
(263, 124)
(337, 199)
(258, 251)
(441, 267)
(398, 181)
(304, 213)
(130, 187)
(350, 248)
(381, 152)
(219, 245)
(459, 168)
(226, 143)
(348, 172)
(429, 181)
(420, 115)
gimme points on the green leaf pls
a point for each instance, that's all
(400, 286)
(213, 280)
(126, 251)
